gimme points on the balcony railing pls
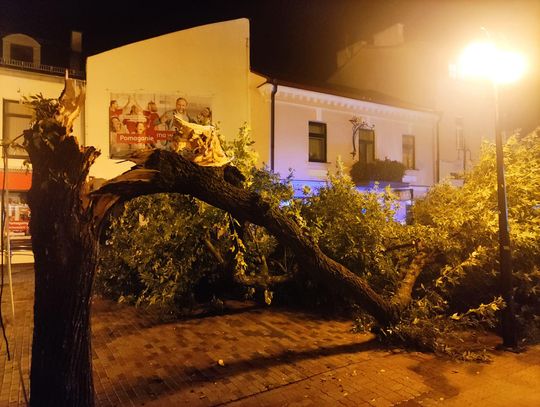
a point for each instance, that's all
(53, 70)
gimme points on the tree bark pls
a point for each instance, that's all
(65, 251)
(65, 228)
(403, 295)
(164, 171)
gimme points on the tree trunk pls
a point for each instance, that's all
(64, 227)
(65, 251)
(164, 171)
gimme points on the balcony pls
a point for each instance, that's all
(40, 68)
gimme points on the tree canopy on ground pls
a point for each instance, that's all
(401, 276)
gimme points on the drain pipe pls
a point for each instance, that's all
(438, 150)
(272, 123)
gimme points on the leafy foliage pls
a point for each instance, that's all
(186, 241)
(154, 255)
(164, 248)
(43, 108)
(459, 288)
(466, 220)
(45, 127)
(356, 229)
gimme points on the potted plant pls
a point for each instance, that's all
(377, 170)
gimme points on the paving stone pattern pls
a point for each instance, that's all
(253, 356)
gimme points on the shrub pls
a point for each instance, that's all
(153, 254)
(357, 229)
(466, 224)
(163, 249)
(163, 246)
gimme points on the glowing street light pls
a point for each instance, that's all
(485, 60)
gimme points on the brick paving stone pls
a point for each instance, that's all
(273, 357)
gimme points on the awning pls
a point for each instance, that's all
(16, 180)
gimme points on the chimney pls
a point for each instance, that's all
(390, 36)
(75, 58)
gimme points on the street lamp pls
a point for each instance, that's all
(485, 60)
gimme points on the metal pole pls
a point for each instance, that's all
(273, 124)
(8, 254)
(508, 316)
(6, 249)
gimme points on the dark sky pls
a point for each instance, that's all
(294, 40)
(290, 38)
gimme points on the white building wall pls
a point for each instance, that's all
(296, 107)
(418, 73)
(260, 118)
(207, 61)
(472, 102)
(291, 149)
(14, 84)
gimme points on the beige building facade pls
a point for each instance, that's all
(212, 62)
(209, 63)
(22, 74)
(300, 111)
(295, 127)
(424, 74)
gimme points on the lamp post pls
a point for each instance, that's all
(485, 60)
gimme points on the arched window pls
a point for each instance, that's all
(21, 47)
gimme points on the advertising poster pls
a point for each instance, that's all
(19, 219)
(146, 120)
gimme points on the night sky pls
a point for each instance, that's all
(290, 38)
(294, 40)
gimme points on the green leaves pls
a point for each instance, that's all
(464, 224)
(162, 246)
(356, 228)
(44, 108)
(153, 255)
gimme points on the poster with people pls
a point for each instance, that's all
(142, 120)
(18, 214)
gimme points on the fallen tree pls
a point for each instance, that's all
(65, 227)
(164, 171)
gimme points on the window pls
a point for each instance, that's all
(408, 152)
(460, 140)
(317, 142)
(17, 118)
(366, 145)
(22, 53)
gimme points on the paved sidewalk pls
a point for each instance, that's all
(263, 357)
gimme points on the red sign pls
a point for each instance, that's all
(19, 227)
(19, 219)
(17, 181)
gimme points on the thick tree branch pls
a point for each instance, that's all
(172, 173)
(403, 295)
(261, 280)
(216, 254)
